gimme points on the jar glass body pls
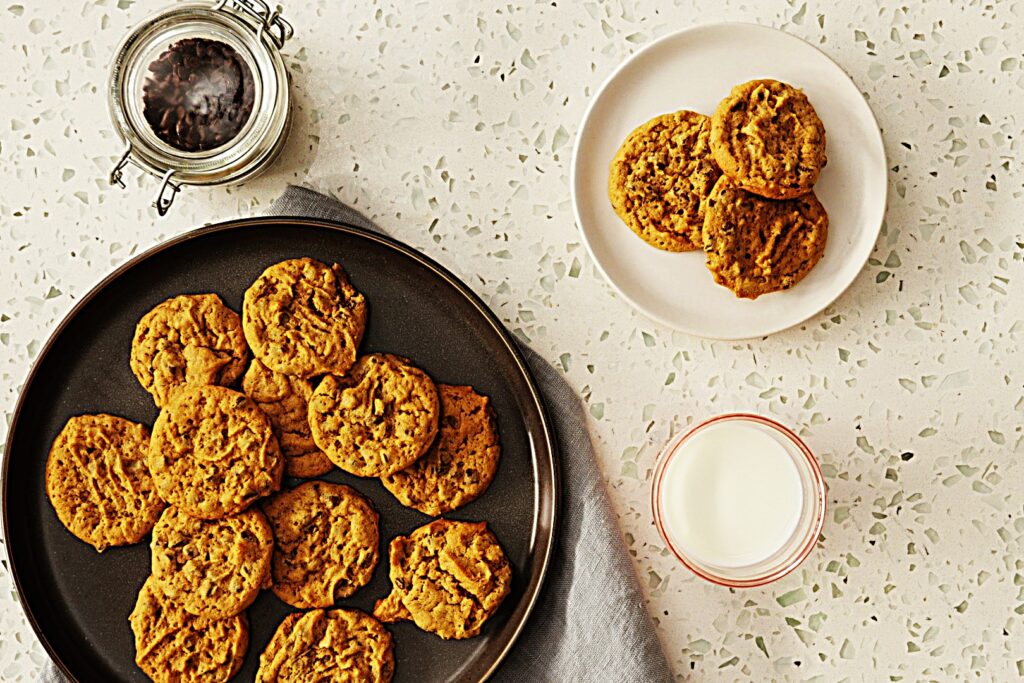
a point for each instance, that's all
(253, 38)
(804, 535)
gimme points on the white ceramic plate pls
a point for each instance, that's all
(694, 69)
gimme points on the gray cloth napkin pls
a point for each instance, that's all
(590, 623)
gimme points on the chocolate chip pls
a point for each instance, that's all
(198, 95)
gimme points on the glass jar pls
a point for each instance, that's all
(808, 484)
(198, 94)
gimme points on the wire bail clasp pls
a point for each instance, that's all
(166, 194)
(270, 21)
(168, 188)
(117, 174)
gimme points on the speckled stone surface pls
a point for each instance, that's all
(451, 122)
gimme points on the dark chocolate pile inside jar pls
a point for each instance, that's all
(198, 94)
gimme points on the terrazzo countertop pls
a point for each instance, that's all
(450, 122)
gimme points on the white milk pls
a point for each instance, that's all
(731, 495)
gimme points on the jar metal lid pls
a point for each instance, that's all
(252, 32)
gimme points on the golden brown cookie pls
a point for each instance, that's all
(192, 339)
(213, 452)
(755, 245)
(303, 318)
(460, 465)
(451, 577)
(174, 646)
(376, 420)
(326, 542)
(328, 645)
(98, 481)
(212, 568)
(285, 399)
(767, 137)
(661, 176)
(390, 609)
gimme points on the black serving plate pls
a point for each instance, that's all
(78, 600)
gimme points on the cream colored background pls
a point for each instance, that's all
(451, 122)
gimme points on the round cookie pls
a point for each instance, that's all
(451, 577)
(213, 452)
(767, 137)
(460, 464)
(661, 176)
(755, 245)
(376, 420)
(331, 645)
(173, 646)
(212, 568)
(192, 339)
(284, 400)
(98, 482)
(326, 538)
(303, 318)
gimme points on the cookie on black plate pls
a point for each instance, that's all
(460, 465)
(99, 483)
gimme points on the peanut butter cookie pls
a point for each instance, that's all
(390, 609)
(173, 646)
(460, 465)
(333, 645)
(213, 452)
(326, 543)
(755, 245)
(212, 568)
(190, 340)
(376, 420)
(660, 178)
(98, 481)
(303, 318)
(285, 400)
(767, 137)
(450, 576)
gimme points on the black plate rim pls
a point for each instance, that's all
(549, 505)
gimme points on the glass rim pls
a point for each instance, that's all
(792, 560)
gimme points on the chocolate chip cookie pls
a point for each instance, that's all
(213, 452)
(173, 646)
(376, 420)
(326, 538)
(767, 137)
(285, 400)
(755, 245)
(212, 568)
(660, 178)
(303, 318)
(451, 577)
(328, 645)
(99, 483)
(189, 340)
(460, 464)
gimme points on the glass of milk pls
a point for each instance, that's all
(739, 499)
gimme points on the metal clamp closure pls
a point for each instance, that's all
(168, 188)
(270, 21)
(166, 194)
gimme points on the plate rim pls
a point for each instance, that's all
(549, 509)
(575, 178)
